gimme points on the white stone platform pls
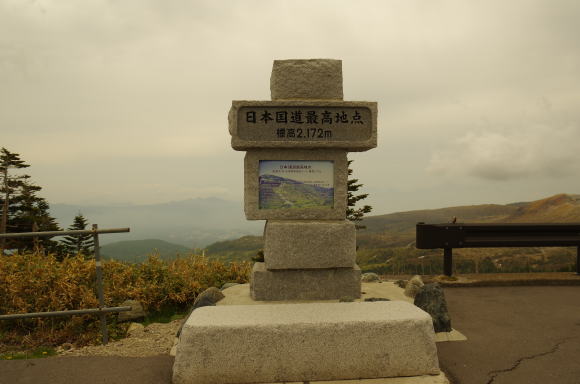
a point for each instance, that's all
(240, 295)
(305, 342)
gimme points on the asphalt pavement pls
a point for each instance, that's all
(515, 335)
(88, 370)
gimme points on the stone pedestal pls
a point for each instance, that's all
(307, 260)
(305, 342)
(296, 177)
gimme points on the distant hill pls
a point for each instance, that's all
(136, 251)
(398, 229)
(242, 249)
(192, 223)
(559, 208)
(387, 244)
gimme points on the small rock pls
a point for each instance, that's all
(431, 299)
(67, 346)
(173, 350)
(209, 297)
(401, 283)
(370, 277)
(373, 299)
(227, 285)
(64, 347)
(136, 312)
(413, 286)
(259, 258)
(135, 328)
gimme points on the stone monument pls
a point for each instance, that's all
(295, 178)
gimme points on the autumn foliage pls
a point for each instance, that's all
(33, 282)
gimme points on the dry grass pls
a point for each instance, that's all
(34, 282)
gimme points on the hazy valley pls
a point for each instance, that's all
(193, 223)
(386, 245)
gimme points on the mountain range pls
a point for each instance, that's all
(136, 251)
(192, 223)
(397, 230)
(179, 227)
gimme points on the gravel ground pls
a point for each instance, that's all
(153, 340)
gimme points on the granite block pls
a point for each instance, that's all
(304, 284)
(306, 79)
(294, 244)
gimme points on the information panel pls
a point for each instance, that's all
(296, 184)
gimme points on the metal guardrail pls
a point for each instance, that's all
(63, 313)
(64, 233)
(102, 310)
(477, 235)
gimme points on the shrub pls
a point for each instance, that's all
(33, 282)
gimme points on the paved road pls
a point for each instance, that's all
(88, 370)
(516, 335)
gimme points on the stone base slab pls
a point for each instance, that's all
(330, 244)
(307, 284)
(305, 342)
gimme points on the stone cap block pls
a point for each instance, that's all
(305, 342)
(271, 197)
(348, 125)
(330, 244)
(306, 79)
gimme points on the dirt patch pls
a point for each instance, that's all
(152, 340)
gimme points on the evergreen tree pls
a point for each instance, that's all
(82, 244)
(352, 213)
(23, 210)
(8, 187)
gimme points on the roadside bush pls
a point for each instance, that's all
(34, 282)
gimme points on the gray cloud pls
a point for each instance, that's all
(146, 84)
(540, 151)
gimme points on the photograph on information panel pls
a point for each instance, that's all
(296, 184)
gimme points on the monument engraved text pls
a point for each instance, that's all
(304, 123)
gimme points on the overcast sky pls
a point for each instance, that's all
(127, 101)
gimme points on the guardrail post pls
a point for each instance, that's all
(448, 261)
(99, 276)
